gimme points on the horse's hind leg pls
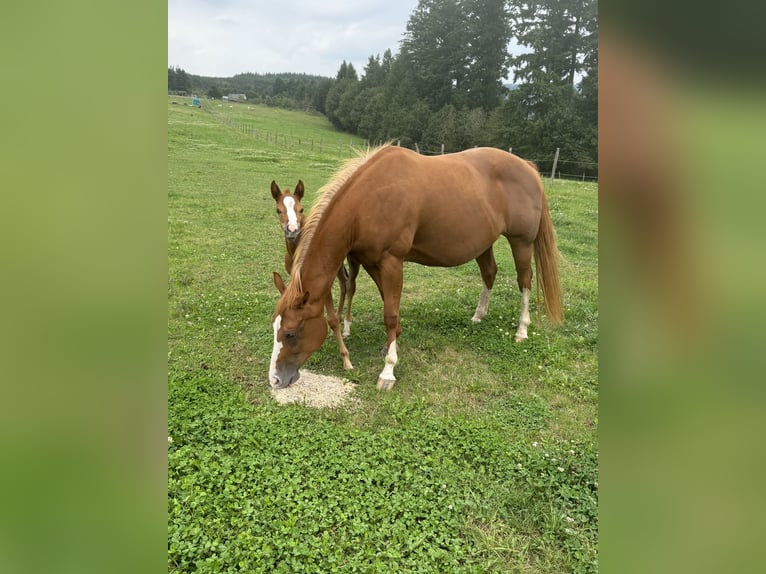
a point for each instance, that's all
(353, 271)
(522, 257)
(488, 269)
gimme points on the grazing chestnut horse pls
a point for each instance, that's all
(393, 205)
(291, 219)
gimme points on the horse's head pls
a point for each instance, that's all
(299, 329)
(289, 208)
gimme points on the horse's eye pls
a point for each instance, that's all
(289, 336)
(279, 212)
(301, 210)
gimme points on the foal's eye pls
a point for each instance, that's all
(279, 212)
(301, 210)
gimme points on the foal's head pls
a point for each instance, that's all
(289, 209)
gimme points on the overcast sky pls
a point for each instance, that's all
(227, 37)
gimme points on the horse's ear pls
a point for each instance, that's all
(275, 191)
(299, 190)
(280, 285)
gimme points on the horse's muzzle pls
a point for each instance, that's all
(284, 380)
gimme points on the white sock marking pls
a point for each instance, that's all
(275, 352)
(481, 308)
(524, 319)
(391, 360)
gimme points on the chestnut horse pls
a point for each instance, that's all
(291, 219)
(392, 205)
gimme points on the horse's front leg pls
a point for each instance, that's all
(390, 283)
(386, 379)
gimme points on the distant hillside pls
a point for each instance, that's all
(261, 84)
(289, 90)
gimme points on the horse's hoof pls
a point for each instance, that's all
(386, 384)
(520, 339)
(476, 319)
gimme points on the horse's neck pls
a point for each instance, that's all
(323, 258)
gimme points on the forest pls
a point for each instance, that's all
(453, 83)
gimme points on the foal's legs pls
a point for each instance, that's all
(488, 269)
(332, 319)
(343, 286)
(353, 271)
(522, 257)
(389, 278)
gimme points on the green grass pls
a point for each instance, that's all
(483, 458)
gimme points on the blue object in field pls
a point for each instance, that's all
(195, 102)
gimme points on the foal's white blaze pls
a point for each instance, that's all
(275, 352)
(524, 319)
(292, 217)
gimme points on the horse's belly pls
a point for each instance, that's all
(449, 251)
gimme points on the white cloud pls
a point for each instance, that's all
(227, 37)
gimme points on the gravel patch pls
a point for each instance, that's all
(315, 390)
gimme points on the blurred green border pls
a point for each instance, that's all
(83, 243)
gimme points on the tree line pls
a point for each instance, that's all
(445, 85)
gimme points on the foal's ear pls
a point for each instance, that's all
(275, 191)
(280, 285)
(299, 190)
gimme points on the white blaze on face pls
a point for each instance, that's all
(292, 217)
(275, 352)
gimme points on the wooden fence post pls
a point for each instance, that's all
(555, 161)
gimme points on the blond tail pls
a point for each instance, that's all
(546, 255)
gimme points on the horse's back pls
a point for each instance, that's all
(448, 209)
(480, 186)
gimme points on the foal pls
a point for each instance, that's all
(291, 220)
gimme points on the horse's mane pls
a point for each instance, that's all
(326, 194)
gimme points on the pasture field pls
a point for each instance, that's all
(484, 456)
